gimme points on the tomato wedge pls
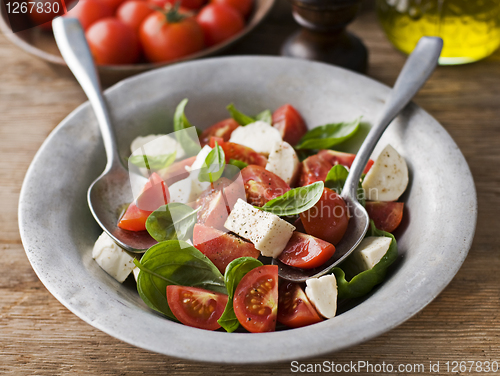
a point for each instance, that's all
(313, 169)
(327, 219)
(222, 129)
(387, 215)
(196, 307)
(220, 247)
(256, 299)
(290, 124)
(294, 308)
(154, 194)
(334, 157)
(239, 152)
(217, 201)
(306, 251)
(261, 185)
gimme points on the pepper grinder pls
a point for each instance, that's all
(324, 36)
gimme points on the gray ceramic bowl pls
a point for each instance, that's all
(58, 230)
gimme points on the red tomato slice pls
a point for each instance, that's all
(306, 251)
(294, 308)
(313, 169)
(290, 123)
(217, 202)
(239, 152)
(327, 219)
(220, 247)
(222, 129)
(176, 171)
(387, 215)
(337, 157)
(196, 307)
(154, 194)
(256, 299)
(134, 219)
(261, 185)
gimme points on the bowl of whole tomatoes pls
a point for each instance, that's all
(127, 37)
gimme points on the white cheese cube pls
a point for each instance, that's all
(187, 190)
(388, 177)
(370, 251)
(136, 271)
(200, 158)
(283, 162)
(156, 144)
(114, 260)
(260, 136)
(322, 293)
(268, 232)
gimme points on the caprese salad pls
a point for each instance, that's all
(223, 202)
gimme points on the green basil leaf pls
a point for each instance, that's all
(329, 135)
(265, 116)
(174, 263)
(155, 162)
(362, 283)
(296, 200)
(239, 117)
(235, 271)
(213, 168)
(174, 221)
(190, 146)
(336, 178)
(240, 164)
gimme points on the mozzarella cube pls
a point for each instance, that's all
(135, 272)
(110, 257)
(156, 144)
(388, 177)
(260, 136)
(187, 190)
(370, 251)
(268, 232)
(283, 162)
(322, 293)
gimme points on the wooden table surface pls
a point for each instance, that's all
(40, 336)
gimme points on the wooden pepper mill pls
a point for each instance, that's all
(323, 35)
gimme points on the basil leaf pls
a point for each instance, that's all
(265, 116)
(155, 162)
(213, 168)
(296, 200)
(174, 221)
(236, 162)
(329, 135)
(336, 178)
(190, 146)
(235, 271)
(174, 263)
(238, 116)
(362, 283)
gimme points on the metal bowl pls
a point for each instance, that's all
(41, 44)
(58, 231)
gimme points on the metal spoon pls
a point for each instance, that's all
(111, 190)
(415, 73)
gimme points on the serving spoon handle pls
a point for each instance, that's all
(70, 39)
(414, 74)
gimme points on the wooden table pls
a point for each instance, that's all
(39, 336)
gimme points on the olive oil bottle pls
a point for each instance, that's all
(470, 29)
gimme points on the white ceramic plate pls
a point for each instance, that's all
(58, 231)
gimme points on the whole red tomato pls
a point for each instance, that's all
(170, 37)
(133, 12)
(242, 6)
(90, 11)
(219, 22)
(112, 42)
(43, 11)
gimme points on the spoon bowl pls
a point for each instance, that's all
(111, 190)
(415, 73)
